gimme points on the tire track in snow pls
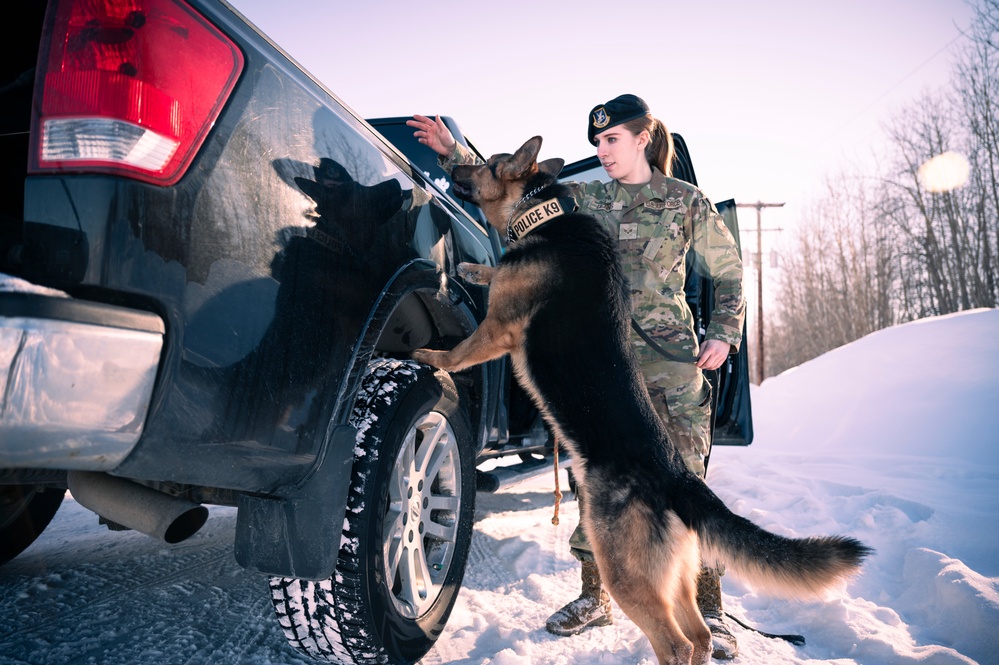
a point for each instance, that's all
(124, 599)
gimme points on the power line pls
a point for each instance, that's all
(892, 88)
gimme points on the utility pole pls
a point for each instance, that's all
(759, 205)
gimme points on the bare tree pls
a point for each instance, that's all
(837, 281)
(977, 84)
(882, 248)
(926, 218)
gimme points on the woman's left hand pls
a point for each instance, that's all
(713, 354)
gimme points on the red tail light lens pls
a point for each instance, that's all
(129, 87)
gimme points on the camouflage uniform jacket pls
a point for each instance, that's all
(655, 230)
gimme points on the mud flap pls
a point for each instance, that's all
(297, 534)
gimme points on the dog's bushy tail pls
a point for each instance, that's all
(793, 567)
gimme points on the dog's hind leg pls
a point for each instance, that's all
(689, 617)
(649, 609)
(642, 572)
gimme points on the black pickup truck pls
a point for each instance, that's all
(212, 273)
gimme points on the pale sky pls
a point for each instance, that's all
(770, 95)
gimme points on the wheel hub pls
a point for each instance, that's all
(421, 523)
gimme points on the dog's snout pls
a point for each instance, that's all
(462, 190)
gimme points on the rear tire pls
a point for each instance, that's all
(407, 530)
(25, 511)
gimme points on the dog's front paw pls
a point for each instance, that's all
(428, 357)
(475, 273)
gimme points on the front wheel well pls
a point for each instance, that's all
(427, 318)
(420, 320)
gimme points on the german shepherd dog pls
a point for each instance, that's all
(559, 305)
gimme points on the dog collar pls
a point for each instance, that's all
(328, 240)
(538, 215)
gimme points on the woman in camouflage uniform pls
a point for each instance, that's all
(657, 220)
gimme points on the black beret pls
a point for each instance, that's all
(620, 109)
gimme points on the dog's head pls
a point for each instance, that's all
(500, 184)
(344, 202)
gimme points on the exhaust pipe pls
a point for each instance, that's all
(136, 506)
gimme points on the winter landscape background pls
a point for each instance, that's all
(893, 439)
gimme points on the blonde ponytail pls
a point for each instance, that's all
(660, 150)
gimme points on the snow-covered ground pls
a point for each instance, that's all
(893, 439)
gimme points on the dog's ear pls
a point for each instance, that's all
(524, 159)
(552, 166)
(310, 188)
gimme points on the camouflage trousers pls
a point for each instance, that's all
(682, 397)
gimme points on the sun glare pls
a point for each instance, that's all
(945, 172)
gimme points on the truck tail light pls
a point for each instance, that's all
(130, 87)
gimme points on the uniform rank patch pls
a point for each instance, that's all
(628, 231)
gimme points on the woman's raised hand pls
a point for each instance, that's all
(433, 134)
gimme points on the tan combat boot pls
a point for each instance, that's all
(592, 608)
(709, 602)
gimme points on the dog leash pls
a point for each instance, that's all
(655, 346)
(796, 640)
(558, 493)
